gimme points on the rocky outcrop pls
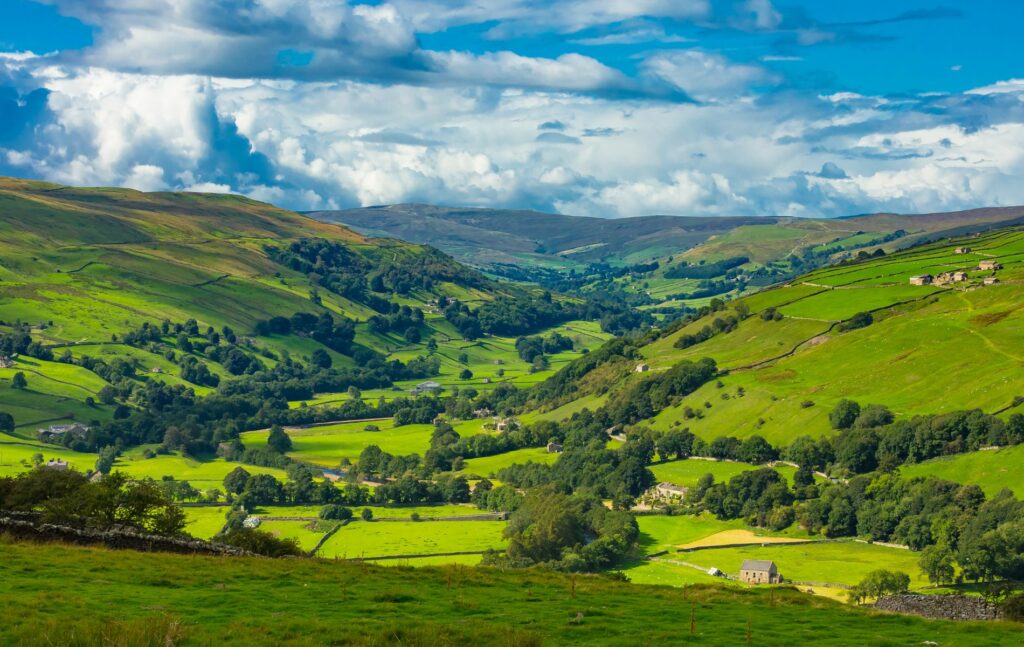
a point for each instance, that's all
(940, 607)
(24, 528)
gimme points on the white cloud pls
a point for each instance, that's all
(703, 75)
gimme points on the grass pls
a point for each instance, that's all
(299, 602)
(202, 474)
(379, 512)
(832, 562)
(992, 470)
(385, 538)
(327, 445)
(489, 466)
(205, 522)
(16, 455)
(687, 472)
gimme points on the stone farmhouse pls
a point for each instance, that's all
(57, 464)
(923, 279)
(642, 368)
(54, 432)
(950, 277)
(670, 491)
(6, 361)
(990, 280)
(554, 448)
(990, 264)
(760, 571)
(963, 250)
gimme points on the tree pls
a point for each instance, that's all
(844, 414)
(278, 440)
(937, 563)
(879, 583)
(105, 461)
(412, 335)
(466, 374)
(107, 395)
(6, 422)
(19, 381)
(335, 512)
(321, 359)
(354, 393)
(366, 514)
(804, 476)
(236, 480)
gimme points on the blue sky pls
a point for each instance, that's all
(596, 107)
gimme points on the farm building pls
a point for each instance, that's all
(506, 424)
(482, 413)
(57, 464)
(426, 387)
(642, 368)
(59, 431)
(990, 265)
(963, 250)
(950, 277)
(990, 280)
(554, 448)
(6, 361)
(670, 491)
(923, 279)
(760, 571)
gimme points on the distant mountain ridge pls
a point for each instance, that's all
(493, 236)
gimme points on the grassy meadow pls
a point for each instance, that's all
(143, 598)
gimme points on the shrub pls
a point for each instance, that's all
(335, 512)
(261, 543)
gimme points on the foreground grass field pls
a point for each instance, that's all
(388, 538)
(69, 595)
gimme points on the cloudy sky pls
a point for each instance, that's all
(591, 107)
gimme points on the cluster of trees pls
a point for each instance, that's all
(642, 398)
(68, 497)
(705, 270)
(20, 342)
(403, 320)
(569, 533)
(336, 334)
(530, 348)
(724, 324)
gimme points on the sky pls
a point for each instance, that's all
(609, 108)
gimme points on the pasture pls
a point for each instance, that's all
(386, 538)
(992, 470)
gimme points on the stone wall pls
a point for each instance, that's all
(940, 607)
(23, 528)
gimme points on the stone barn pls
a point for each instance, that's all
(760, 571)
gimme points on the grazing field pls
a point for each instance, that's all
(379, 512)
(992, 470)
(386, 538)
(202, 474)
(327, 445)
(16, 455)
(740, 536)
(687, 472)
(830, 562)
(489, 466)
(659, 532)
(205, 521)
(299, 602)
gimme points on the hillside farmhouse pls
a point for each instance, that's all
(54, 432)
(57, 464)
(554, 448)
(642, 368)
(990, 280)
(963, 250)
(923, 279)
(670, 491)
(760, 571)
(6, 361)
(950, 277)
(990, 265)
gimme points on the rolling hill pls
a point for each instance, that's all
(81, 268)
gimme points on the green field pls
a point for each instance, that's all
(385, 538)
(202, 474)
(133, 598)
(205, 522)
(687, 472)
(992, 470)
(839, 563)
(489, 466)
(327, 445)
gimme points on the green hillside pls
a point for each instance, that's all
(80, 269)
(930, 349)
(93, 596)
